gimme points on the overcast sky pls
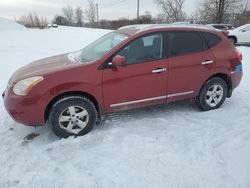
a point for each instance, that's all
(109, 9)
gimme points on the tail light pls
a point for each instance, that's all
(238, 55)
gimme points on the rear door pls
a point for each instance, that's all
(143, 81)
(190, 64)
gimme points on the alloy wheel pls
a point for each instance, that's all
(214, 95)
(74, 119)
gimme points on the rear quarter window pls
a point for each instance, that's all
(211, 39)
(184, 43)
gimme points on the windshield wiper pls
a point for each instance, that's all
(76, 59)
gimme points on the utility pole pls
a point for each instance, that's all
(138, 11)
(97, 12)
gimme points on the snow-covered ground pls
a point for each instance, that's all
(6, 24)
(173, 145)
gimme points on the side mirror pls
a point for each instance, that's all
(119, 61)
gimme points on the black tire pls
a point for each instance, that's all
(61, 106)
(233, 39)
(206, 92)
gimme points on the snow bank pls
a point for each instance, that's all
(173, 145)
(6, 24)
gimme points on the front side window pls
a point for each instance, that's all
(143, 49)
(100, 47)
(184, 42)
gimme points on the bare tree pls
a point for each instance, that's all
(79, 16)
(33, 21)
(146, 18)
(172, 9)
(215, 11)
(69, 14)
(242, 16)
(60, 20)
(91, 11)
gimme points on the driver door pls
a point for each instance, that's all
(143, 81)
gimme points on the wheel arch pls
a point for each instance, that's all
(233, 36)
(71, 93)
(226, 78)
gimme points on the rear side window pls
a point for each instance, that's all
(184, 42)
(211, 39)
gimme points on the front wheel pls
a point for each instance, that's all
(72, 116)
(213, 94)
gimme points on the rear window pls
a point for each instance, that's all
(211, 39)
(230, 27)
(184, 42)
(220, 27)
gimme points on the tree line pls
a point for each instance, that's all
(235, 12)
(68, 17)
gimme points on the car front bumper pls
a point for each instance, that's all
(24, 110)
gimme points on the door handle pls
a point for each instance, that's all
(207, 62)
(159, 70)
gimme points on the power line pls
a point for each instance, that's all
(114, 3)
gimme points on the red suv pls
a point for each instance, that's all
(132, 67)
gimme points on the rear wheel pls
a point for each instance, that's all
(213, 94)
(72, 116)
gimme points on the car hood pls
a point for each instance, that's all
(43, 67)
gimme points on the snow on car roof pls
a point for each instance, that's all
(133, 29)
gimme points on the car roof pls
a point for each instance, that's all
(221, 24)
(242, 27)
(135, 29)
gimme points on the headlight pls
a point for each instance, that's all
(23, 87)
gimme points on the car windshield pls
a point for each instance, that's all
(242, 27)
(100, 47)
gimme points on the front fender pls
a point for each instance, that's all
(48, 96)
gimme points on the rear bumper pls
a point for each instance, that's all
(236, 78)
(24, 110)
